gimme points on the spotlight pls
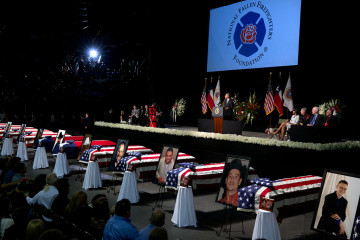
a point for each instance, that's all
(93, 53)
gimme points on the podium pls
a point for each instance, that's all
(218, 115)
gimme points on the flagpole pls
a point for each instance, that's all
(270, 113)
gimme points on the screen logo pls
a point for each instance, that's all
(250, 27)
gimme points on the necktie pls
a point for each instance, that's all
(313, 120)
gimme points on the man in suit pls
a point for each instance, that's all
(333, 211)
(134, 115)
(228, 107)
(316, 118)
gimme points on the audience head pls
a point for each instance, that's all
(96, 197)
(38, 184)
(158, 233)
(13, 161)
(51, 178)
(157, 218)
(101, 208)
(63, 186)
(52, 234)
(20, 168)
(329, 112)
(78, 199)
(122, 208)
(34, 229)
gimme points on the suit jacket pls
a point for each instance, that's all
(318, 120)
(330, 207)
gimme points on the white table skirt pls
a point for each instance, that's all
(129, 188)
(184, 211)
(61, 165)
(266, 226)
(7, 148)
(22, 151)
(92, 177)
(40, 159)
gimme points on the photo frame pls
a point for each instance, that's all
(21, 131)
(38, 136)
(234, 176)
(85, 144)
(167, 162)
(355, 233)
(59, 138)
(119, 153)
(267, 204)
(339, 194)
(7, 128)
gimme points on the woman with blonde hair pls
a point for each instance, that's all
(78, 210)
(34, 229)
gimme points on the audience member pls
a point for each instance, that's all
(34, 229)
(20, 170)
(18, 229)
(38, 184)
(134, 116)
(78, 211)
(101, 214)
(157, 219)
(11, 171)
(158, 233)
(120, 226)
(6, 221)
(46, 196)
(62, 200)
(52, 234)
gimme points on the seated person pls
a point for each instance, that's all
(316, 118)
(285, 126)
(329, 119)
(303, 117)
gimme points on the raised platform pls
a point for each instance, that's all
(269, 157)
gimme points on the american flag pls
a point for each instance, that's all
(356, 232)
(285, 192)
(269, 99)
(203, 100)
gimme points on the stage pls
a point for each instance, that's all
(270, 158)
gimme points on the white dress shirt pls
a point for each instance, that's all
(44, 198)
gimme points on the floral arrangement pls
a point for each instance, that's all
(247, 110)
(178, 109)
(237, 138)
(333, 104)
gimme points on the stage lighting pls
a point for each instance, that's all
(93, 53)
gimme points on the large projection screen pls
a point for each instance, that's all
(254, 34)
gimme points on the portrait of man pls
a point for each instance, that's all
(85, 145)
(333, 211)
(38, 137)
(337, 204)
(166, 163)
(234, 177)
(7, 129)
(119, 153)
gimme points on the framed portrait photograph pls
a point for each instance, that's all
(337, 204)
(7, 128)
(266, 204)
(37, 137)
(119, 153)
(85, 144)
(59, 138)
(234, 177)
(166, 163)
(21, 132)
(355, 233)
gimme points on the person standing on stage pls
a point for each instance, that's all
(228, 107)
